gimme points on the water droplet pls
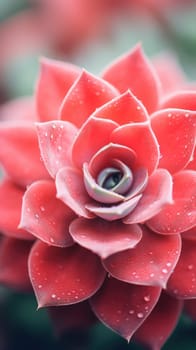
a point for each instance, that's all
(164, 270)
(131, 312)
(190, 267)
(168, 263)
(59, 148)
(53, 296)
(40, 286)
(37, 216)
(147, 298)
(138, 108)
(42, 208)
(140, 315)
(46, 134)
(51, 239)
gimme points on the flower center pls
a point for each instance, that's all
(109, 178)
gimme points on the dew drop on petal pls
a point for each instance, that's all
(140, 315)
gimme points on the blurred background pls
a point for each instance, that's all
(89, 33)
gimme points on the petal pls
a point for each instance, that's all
(151, 262)
(157, 328)
(19, 109)
(175, 131)
(97, 192)
(133, 71)
(123, 109)
(192, 164)
(182, 283)
(85, 95)
(181, 214)
(181, 99)
(71, 317)
(102, 159)
(55, 140)
(94, 134)
(54, 81)
(140, 138)
(156, 196)
(70, 189)
(19, 153)
(104, 238)
(169, 71)
(10, 210)
(13, 263)
(58, 276)
(114, 212)
(123, 307)
(190, 234)
(45, 216)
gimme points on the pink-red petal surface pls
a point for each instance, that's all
(88, 140)
(71, 190)
(123, 109)
(22, 108)
(157, 194)
(55, 140)
(129, 134)
(63, 276)
(124, 307)
(150, 262)
(54, 82)
(13, 263)
(19, 153)
(86, 94)
(104, 238)
(175, 131)
(133, 71)
(45, 216)
(156, 329)
(182, 283)
(10, 209)
(181, 214)
(182, 100)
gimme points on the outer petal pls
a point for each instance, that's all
(72, 317)
(123, 109)
(64, 276)
(19, 153)
(18, 109)
(104, 238)
(151, 262)
(146, 148)
(10, 210)
(45, 216)
(190, 234)
(181, 215)
(94, 134)
(54, 81)
(85, 95)
(182, 99)
(70, 189)
(157, 328)
(124, 307)
(55, 140)
(175, 131)
(133, 71)
(13, 263)
(157, 194)
(170, 73)
(182, 283)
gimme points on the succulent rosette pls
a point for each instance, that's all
(100, 198)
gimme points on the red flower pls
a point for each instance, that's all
(114, 214)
